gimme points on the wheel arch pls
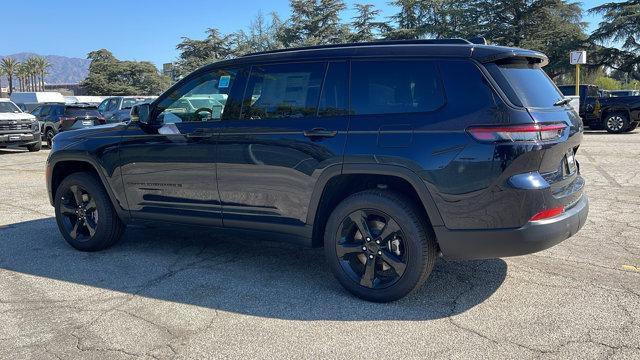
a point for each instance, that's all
(338, 182)
(67, 165)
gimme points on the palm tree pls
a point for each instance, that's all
(1, 74)
(9, 66)
(33, 73)
(42, 64)
(23, 74)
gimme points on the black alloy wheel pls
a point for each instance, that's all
(379, 245)
(84, 213)
(371, 248)
(80, 213)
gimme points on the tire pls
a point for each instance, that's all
(49, 134)
(616, 122)
(107, 227)
(408, 263)
(35, 147)
(632, 127)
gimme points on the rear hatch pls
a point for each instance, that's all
(80, 116)
(528, 87)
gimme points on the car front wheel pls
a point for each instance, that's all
(378, 245)
(84, 213)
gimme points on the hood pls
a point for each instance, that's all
(16, 116)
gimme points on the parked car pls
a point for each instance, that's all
(55, 118)
(616, 114)
(27, 101)
(18, 129)
(387, 154)
(124, 114)
(91, 100)
(111, 105)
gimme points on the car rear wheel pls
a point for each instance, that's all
(84, 213)
(49, 137)
(616, 123)
(378, 246)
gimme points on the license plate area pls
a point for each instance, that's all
(87, 122)
(14, 137)
(570, 162)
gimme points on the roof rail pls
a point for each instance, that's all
(379, 42)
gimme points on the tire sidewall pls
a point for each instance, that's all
(95, 190)
(413, 232)
(625, 120)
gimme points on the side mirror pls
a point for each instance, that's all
(140, 113)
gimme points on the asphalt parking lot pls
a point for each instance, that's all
(171, 293)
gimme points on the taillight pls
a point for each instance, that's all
(67, 119)
(531, 132)
(101, 120)
(546, 214)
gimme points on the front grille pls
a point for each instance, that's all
(15, 125)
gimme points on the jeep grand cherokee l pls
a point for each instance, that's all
(387, 154)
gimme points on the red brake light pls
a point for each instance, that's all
(67, 119)
(546, 214)
(531, 132)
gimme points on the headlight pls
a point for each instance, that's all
(35, 126)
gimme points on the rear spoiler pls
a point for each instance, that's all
(530, 55)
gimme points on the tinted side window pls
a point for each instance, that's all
(283, 91)
(466, 88)
(103, 105)
(334, 97)
(45, 110)
(202, 98)
(395, 86)
(36, 111)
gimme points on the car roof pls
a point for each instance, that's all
(456, 48)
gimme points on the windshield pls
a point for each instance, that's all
(525, 84)
(128, 103)
(8, 107)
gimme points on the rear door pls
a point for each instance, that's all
(292, 127)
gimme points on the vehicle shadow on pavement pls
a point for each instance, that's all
(236, 274)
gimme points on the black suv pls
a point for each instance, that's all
(387, 154)
(57, 117)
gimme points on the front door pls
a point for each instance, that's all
(169, 166)
(293, 125)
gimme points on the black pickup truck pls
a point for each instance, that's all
(615, 114)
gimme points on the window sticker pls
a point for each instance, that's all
(224, 82)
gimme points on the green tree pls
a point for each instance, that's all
(110, 76)
(9, 66)
(553, 27)
(620, 25)
(606, 83)
(262, 35)
(364, 25)
(42, 66)
(196, 53)
(408, 20)
(314, 22)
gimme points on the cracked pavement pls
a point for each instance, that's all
(175, 293)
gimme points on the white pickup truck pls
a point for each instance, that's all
(17, 128)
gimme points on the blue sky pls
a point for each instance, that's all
(135, 30)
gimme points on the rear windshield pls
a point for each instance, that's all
(525, 84)
(7, 107)
(81, 111)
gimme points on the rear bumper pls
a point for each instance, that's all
(533, 237)
(19, 139)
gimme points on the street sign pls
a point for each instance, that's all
(578, 57)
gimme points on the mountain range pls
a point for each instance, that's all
(63, 70)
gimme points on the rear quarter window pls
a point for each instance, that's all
(525, 84)
(395, 86)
